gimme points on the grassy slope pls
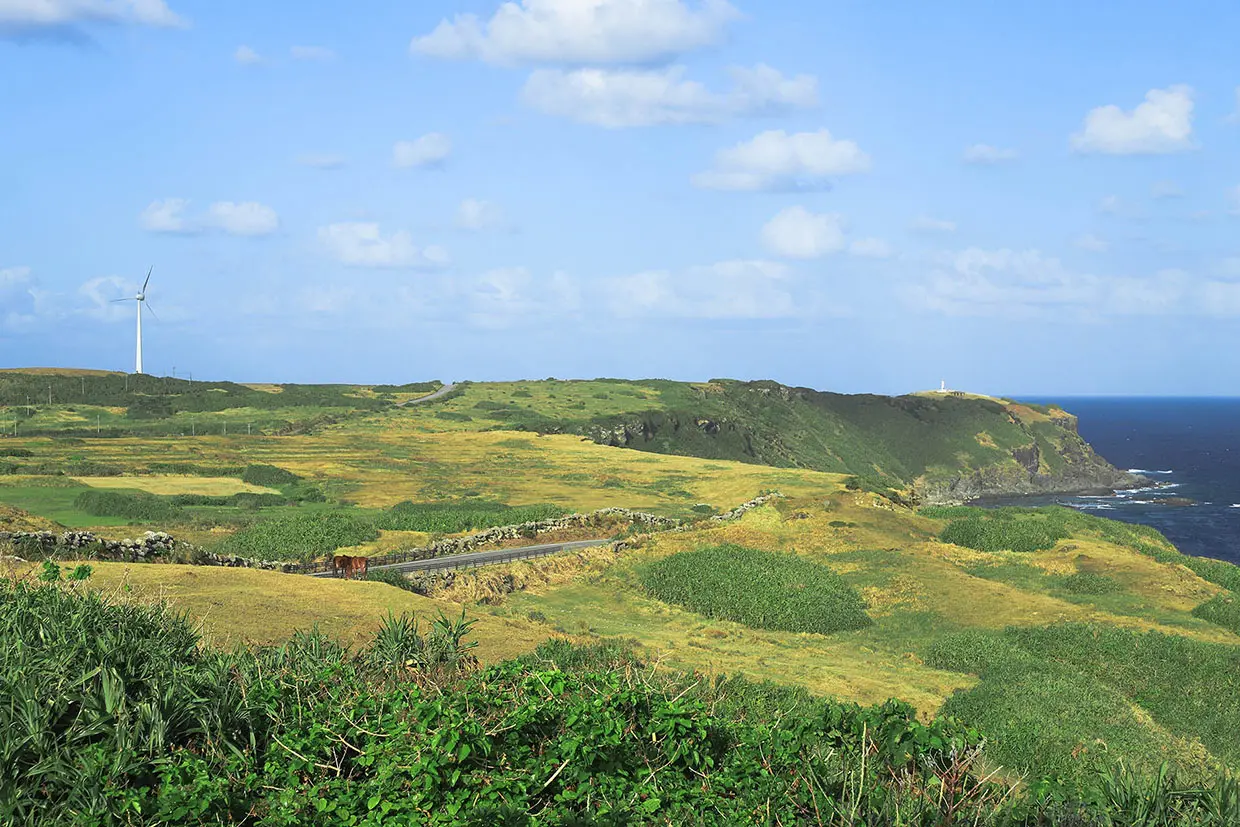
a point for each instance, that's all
(897, 439)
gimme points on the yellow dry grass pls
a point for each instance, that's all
(237, 605)
(174, 484)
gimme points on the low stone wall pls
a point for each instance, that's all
(739, 511)
(152, 544)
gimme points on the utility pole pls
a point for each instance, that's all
(247, 428)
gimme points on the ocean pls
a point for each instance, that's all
(1192, 445)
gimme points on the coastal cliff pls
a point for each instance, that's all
(940, 448)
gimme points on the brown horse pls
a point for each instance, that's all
(349, 567)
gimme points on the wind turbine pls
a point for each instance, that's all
(140, 299)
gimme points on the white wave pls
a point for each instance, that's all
(1147, 471)
(1235, 505)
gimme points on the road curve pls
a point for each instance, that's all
(428, 398)
(473, 559)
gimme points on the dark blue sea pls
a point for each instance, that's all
(1191, 445)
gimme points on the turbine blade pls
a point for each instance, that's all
(126, 299)
(148, 279)
(150, 309)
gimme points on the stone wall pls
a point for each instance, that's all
(151, 545)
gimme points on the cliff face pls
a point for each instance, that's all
(944, 449)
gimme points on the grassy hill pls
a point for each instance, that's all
(947, 448)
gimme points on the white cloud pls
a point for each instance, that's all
(431, 149)
(796, 232)
(1166, 189)
(1028, 283)
(361, 244)
(246, 218)
(580, 31)
(986, 154)
(321, 160)
(1092, 243)
(52, 13)
(247, 56)
(646, 97)
(926, 223)
(312, 53)
(742, 289)
(475, 214)
(775, 160)
(870, 248)
(1162, 124)
(166, 216)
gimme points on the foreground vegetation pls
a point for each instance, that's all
(116, 709)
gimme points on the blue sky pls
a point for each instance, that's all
(845, 195)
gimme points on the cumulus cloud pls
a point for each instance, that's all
(796, 232)
(647, 97)
(1029, 283)
(247, 56)
(987, 154)
(430, 150)
(476, 214)
(509, 296)
(573, 31)
(247, 218)
(321, 160)
(925, 223)
(1092, 243)
(50, 14)
(361, 244)
(740, 289)
(1160, 125)
(166, 216)
(776, 160)
(312, 53)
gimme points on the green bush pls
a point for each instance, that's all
(300, 536)
(15, 452)
(1084, 582)
(392, 578)
(461, 515)
(1006, 531)
(762, 589)
(1223, 609)
(138, 506)
(268, 476)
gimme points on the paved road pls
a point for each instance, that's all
(428, 398)
(481, 558)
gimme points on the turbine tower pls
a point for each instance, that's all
(140, 300)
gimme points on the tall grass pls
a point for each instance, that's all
(762, 589)
(462, 515)
(117, 714)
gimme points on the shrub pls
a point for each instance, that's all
(15, 452)
(1084, 582)
(392, 578)
(762, 589)
(138, 506)
(1003, 531)
(268, 476)
(300, 536)
(461, 515)
(1223, 609)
